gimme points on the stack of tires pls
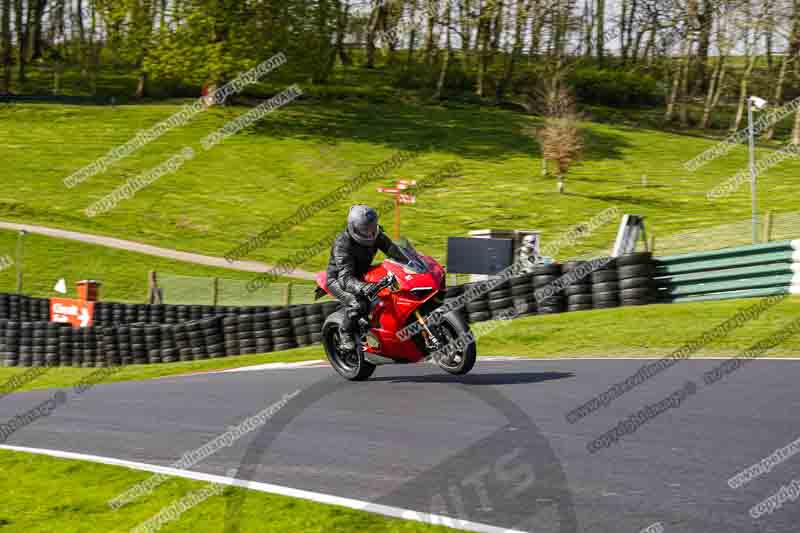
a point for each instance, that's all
(110, 348)
(170, 314)
(26, 333)
(91, 346)
(605, 286)
(549, 299)
(215, 347)
(230, 334)
(522, 297)
(152, 341)
(450, 295)
(282, 332)
(477, 308)
(500, 300)
(124, 344)
(52, 341)
(636, 278)
(262, 332)
(66, 340)
(314, 321)
(14, 307)
(579, 290)
(138, 347)
(4, 314)
(300, 330)
(9, 342)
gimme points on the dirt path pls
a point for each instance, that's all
(132, 246)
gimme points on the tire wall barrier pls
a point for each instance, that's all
(40, 343)
(745, 271)
(124, 334)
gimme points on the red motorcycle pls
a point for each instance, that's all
(405, 292)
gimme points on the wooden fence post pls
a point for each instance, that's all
(152, 285)
(287, 294)
(768, 227)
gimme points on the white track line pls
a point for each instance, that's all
(320, 363)
(328, 499)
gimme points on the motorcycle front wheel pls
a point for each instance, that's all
(454, 333)
(350, 366)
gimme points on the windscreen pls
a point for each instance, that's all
(413, 261)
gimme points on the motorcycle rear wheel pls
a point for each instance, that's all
(350, 366)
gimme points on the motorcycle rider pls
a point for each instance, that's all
(352, 253)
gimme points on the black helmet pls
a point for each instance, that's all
(362, 224)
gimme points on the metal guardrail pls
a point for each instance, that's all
(740, 272)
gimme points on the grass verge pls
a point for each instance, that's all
(44, 494)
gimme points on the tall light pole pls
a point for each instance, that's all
(760, 103)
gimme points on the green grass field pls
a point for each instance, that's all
(43, 494)
(268, 171)
(123, 273)
(650, 331)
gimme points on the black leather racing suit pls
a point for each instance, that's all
(348, 263)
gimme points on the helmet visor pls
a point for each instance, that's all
(367, 232)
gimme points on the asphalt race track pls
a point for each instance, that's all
(416, 438)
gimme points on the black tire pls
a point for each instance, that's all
(453, 327)
(580, 299)
(612, 296)
(479, 316)
(520, 280)
(580, 307)
(353, 367)
(607, 304)
(521, 290)
(281, 347)
(541, 281)
(477, 306)
(603, 276)
(549, 309)
(636, 301)
(636, 294)
(636, 271)
(501, 303)
(280, 323)
(547, 270)
(636, 258)
(278, 314)
(636, 283)
(606, 286)
(584, 288)
(499, 293)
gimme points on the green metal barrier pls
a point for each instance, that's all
(741, 272)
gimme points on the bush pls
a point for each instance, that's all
(614, 87)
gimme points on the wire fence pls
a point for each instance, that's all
(771, 227)
(191, 290)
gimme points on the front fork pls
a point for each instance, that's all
(432, 342)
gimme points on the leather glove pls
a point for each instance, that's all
(369, 290)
